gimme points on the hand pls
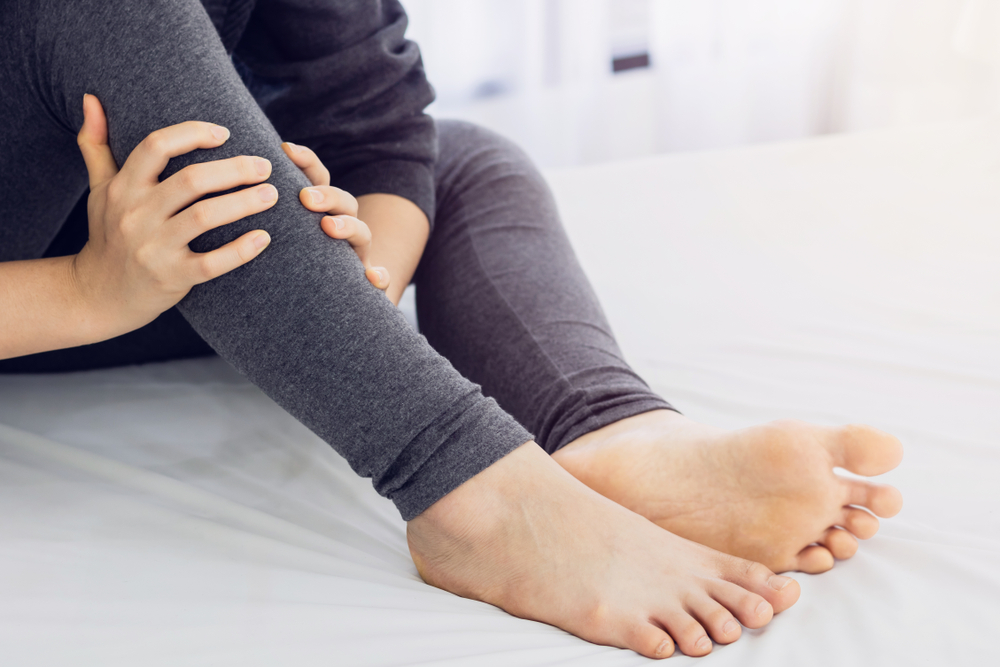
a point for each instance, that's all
(136, 263)
(343, 223)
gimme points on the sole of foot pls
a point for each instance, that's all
(526, 536)
(767, 493)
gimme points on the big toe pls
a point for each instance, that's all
(864, 450)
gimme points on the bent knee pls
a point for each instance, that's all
(475, 159)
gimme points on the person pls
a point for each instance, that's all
(536, 471)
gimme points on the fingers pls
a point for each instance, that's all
(217, 211)
(323, 198)
(150, 157)
(328, 199)
(206, 266)
(197, 180)
(359, 236)
(93, 142)
(309, 162)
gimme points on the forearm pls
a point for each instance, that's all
(399, 233)
(41, 308)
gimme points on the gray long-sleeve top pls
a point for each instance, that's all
(338, 76)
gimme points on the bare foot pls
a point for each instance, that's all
(766, 493)
(526, 536)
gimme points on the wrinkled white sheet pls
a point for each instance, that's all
(172, 515)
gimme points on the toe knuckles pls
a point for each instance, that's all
(689, 635)
(751, 572)
(721, 624)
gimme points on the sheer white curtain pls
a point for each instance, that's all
(722, 72)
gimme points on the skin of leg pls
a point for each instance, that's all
(303, 323)
(622, 581)
(502, 296)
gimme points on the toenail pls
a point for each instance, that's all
(762, 608)
(730, 627)
(777, 582)
(663, 648)
(703, 644)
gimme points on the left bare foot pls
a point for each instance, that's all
(766, 493)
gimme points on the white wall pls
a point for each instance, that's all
(723, 72)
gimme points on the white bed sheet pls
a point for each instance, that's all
(173, 515)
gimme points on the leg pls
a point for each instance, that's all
(303, 323)
(502, 296)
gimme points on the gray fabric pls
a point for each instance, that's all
(499, 290)
(300, 321)
(500, 293)
(338, 76)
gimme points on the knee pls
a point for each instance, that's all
(471, 154)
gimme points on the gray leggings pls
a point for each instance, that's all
(513, 341)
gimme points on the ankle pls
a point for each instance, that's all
(478, 517)
(652, 424)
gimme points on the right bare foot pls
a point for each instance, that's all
(526, 536)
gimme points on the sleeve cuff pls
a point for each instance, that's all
(404, 178)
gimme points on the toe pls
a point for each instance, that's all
(840, 543)
(814, 559)
(864, 450)
(717, 621)
(883, 500)
(648, 640)
(779, 592)
(691, 638)
(750, 609)
(859, 522)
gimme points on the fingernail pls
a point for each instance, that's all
(762, 608)
(381, 276)
(262, 166)
(261, 240)
(315, 195)
(778, 582)
(730, 627)
(295, 147)
(703, 644)
(220, 133)
(267, 193)
(338, 223)
(663, 648)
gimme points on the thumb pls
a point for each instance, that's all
(93, 142)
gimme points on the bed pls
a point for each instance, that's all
(171, 514)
